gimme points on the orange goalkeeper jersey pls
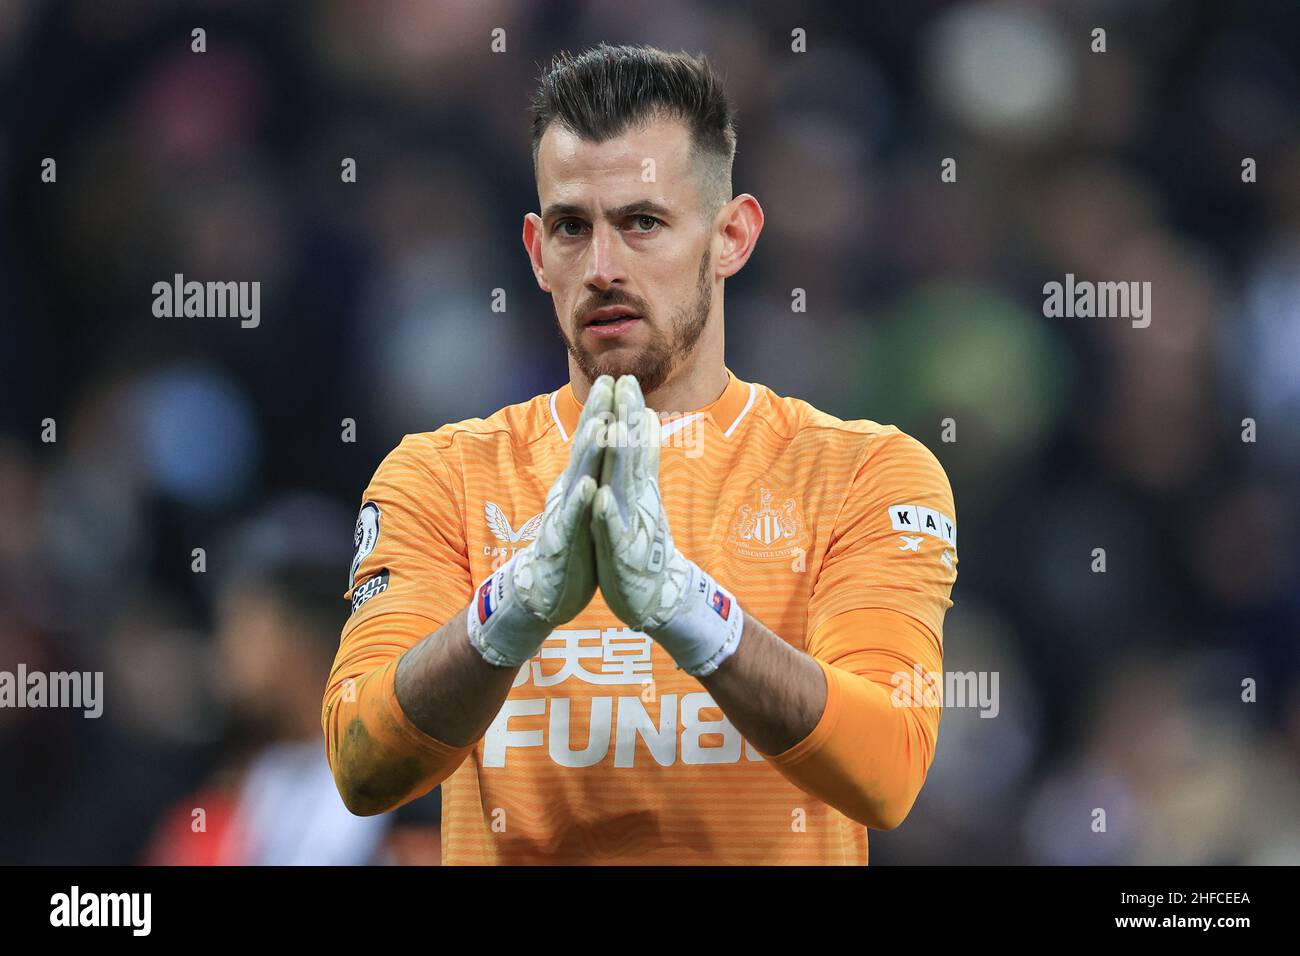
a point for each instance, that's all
(837, 535)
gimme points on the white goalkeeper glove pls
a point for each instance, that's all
(549, 582)
(645, 580)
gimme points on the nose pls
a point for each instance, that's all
(605, 265)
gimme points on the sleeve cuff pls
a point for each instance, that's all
(398, 720)
(825, 726)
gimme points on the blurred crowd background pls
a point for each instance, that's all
(1120, 689)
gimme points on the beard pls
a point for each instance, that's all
(654, 361)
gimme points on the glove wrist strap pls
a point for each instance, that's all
(499, 626)
(705, 628)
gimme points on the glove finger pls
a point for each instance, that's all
(643, 428)
(627, 396)
(578, 506)
(641, 486)
(599, 404)
(585, 457)
(651, 440)
(600, 535)
(643, 459)
(617, 473)
(609, 462)
(585, 450)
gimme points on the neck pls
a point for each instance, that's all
(689, 388)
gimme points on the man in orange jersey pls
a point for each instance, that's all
(616, 636)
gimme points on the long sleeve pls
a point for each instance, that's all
(379, 758)
(869, 754)
(875, 617)
(410, 574)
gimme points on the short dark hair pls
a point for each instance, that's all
(600, 93)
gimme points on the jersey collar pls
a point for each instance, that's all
(726, 411)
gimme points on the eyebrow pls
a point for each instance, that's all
(639, 207)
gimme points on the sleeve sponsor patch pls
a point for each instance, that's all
(364, 538)
(368, 589)
(925, 521)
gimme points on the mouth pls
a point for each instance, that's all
(608, 315)
(609, 321)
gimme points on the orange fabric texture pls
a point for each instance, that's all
(869, 753)
(837, 535)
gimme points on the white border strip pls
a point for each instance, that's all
(564, 436)
(677, 424)
(744, 411)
